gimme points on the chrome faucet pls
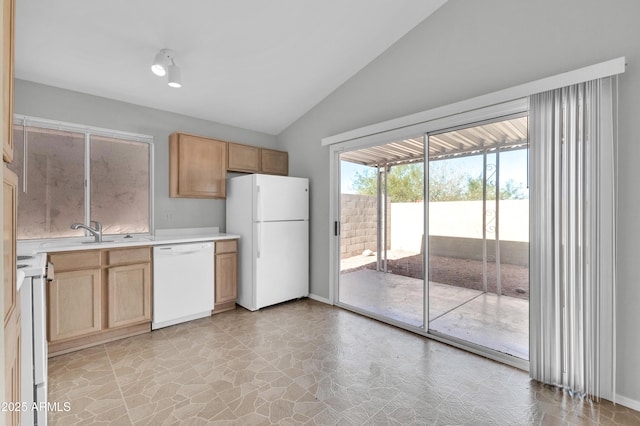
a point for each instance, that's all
(96, 232)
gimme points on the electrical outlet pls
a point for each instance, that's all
(168, 215)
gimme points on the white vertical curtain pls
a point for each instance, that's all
(573, 146)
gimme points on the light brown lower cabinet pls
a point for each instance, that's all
(129, 294)
(12, 343)
(75, 304)
(226, 284)
(98, 296)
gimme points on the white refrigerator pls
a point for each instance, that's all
(271, 215)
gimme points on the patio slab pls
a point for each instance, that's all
(443, 298)
(498, 322)
(394, 296)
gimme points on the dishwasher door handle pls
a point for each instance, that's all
(181, 253)
(176, 251)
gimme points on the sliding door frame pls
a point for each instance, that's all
(466, 119)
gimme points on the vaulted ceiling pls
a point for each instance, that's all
(254, 64)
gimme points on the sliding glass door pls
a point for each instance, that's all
(479, 236)
(382, 231)
(454, 267)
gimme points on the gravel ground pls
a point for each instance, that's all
(462, 273)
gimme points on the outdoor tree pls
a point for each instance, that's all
(509, 190)
(405, 182)
(446, 183)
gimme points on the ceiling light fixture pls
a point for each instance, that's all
(174, 75)
(164, 64)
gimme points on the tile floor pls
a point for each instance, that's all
(302, 362)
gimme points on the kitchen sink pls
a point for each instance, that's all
(57, 245)
(133, 239)
(122, 240)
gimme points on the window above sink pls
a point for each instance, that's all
(70, 173)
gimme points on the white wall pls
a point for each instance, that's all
(58, 104)
(456, 219)
(469, 48)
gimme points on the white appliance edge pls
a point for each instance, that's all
(34, 352)
(271, 214)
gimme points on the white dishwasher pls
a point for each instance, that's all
(183, 282)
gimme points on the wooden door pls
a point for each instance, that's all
(129, 294)
(197, 167)
(74, 304)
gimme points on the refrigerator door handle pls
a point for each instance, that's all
(259, 205)
(259, 236)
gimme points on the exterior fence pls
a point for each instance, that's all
(455, 227)
(359, 224)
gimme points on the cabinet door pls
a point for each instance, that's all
(274, 162)
(243, 158)
(74, 304)
(198, 167)
(129, 294)
(8, 14)
(12, 367)
(226, 277)
(10, 182)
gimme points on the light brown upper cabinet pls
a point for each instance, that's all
(252, 159)
(274, 162)
(8, 14)
(197, 166)
(243, 158)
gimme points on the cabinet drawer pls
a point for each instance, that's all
(129, 255)
(226, 246)
(84, 259)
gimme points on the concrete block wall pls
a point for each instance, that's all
(511, 252)
(358, 229)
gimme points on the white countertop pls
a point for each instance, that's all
(162, 236)
(37, 249)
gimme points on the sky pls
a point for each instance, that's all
(513, 165)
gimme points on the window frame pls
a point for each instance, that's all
(89, 131)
